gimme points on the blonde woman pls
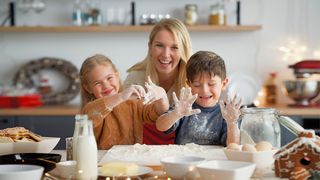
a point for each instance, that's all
(169, 48)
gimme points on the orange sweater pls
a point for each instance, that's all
(122, 125)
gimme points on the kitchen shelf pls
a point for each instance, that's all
(145, 28)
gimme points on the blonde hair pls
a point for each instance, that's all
(86, 68)
(181, 34)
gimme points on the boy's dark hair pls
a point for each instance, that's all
(205, 62)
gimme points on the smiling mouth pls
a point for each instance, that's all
(165, 62)
(205, 97)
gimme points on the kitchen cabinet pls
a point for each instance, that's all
(144, 28)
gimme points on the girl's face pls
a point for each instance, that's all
(103, 81)
(165, 52)
(208, 88)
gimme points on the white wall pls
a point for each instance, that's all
(253, 52)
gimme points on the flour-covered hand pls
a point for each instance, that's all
(183, 105)
(230, 108)
(154, 92)
(133, 92)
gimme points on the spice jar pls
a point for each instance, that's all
(260, 124)
(217, 15)
(191, 14)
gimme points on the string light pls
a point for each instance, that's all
(293, 51)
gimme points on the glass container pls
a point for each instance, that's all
(260, 124)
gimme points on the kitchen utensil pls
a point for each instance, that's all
(302, 91)
(227, 170)
(46, 160)
(20, 172)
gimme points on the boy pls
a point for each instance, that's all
(197, 117)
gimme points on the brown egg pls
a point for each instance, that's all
(249, 148)
(263, 146)
(234, 146)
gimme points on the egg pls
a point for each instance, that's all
(249, 148)
(234, 146)
(263, 146)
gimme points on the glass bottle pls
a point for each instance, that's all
(191, 14)
(80, 121)
(78, 13)
(260, 124)
(271, 89)
(87, 153)
(93, 15)
(217, 15)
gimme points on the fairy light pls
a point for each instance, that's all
(293, 51)
(316, 54)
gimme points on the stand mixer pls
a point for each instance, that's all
(305, 90)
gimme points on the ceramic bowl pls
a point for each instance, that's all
(46, 145)
(65, 169)
(21, 172)
(226, 170)
(46, 160)
(181, 166)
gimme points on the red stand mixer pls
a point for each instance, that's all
(305, 90)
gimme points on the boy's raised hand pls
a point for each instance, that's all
(133, 92)
(230, 108)
(183, 105)
(154, 92)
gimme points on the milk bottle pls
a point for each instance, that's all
(87, 153)
(80, 120)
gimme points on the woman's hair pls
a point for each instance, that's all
(87, 66)
(205, 62)
(181, 34)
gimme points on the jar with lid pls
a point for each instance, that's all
(217, 15)
(191, 14)
(260, 124)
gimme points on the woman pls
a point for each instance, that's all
(169, 48)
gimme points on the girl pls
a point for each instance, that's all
(117, 114)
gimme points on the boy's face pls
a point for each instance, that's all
(208, 88)
(103, 81)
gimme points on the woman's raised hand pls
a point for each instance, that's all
(183, 105)
(154, 92)
(230, 108)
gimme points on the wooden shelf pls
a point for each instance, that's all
(146, 28)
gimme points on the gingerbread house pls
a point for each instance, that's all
(302, 152)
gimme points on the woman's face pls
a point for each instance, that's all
(165, 53)
(103, 81)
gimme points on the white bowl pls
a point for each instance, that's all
(65, 169)
(21, 172)
(181, 166)
(45, 146)
(226, 170)
(261, 158)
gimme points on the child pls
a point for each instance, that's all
(117, 115)
(199, 118)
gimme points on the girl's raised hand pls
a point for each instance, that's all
(133, 92)
(183, 105)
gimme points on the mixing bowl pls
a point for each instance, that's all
(302, 91)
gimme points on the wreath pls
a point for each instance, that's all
(25, 73)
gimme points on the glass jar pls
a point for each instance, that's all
(260, 124)
(217, 15)
(191, 14)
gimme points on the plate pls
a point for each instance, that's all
(141, 171)
(45, 146)
(246, 86)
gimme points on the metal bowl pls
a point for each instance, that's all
(302, 91)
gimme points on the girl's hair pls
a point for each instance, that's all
(205, 62)
(181, 34)
(86, 68)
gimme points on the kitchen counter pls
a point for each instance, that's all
(286, 110)
(65, 110)
(54, 110)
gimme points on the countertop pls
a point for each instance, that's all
(71, 110)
